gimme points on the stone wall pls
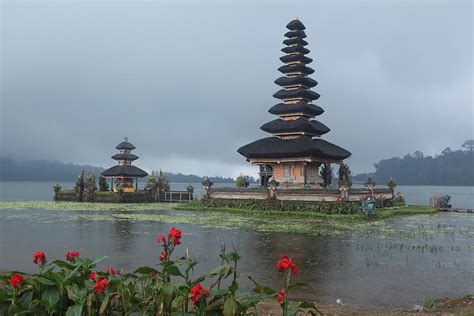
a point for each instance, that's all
(298, 195)
(239, 193)
(125, 197)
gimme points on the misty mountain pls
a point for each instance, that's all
(44, 170)
(40, 170)
(448, 168)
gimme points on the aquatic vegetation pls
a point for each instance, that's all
(77, 206)
(421, 226)
(76, 287)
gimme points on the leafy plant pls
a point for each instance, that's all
(241, 181)
(103, 185)
(326, 174)
(75, 287)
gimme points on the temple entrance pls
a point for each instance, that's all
(266, 172)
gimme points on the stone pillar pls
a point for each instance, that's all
(273, 185)
(344, 192)
(207, 184)
(369, 184)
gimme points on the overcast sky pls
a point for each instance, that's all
(191, 82)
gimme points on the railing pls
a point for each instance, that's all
(179, 196)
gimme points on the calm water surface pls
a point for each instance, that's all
(397, 262)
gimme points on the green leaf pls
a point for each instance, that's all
(261, 289)
(50, 297)
(104, 304)
(231, 308)
(75, 310)
(59, 279)
(62, 264)
(76, 294)
(299, 284)
(173, 270)
(44, 281)
(199, 280)
(99, 260)
(168, 295)
(224, 270)
(25, 300)
(145, 270)
(311, 306)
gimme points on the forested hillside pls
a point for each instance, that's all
(448, 168)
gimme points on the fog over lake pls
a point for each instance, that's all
(190, 82)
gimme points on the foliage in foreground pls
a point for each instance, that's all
(75, 287)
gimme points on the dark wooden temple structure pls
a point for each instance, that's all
(293, 154)
(124, 174)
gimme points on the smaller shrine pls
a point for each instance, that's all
(124, 174)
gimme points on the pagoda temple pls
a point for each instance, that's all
(295, 151)
(124, 173)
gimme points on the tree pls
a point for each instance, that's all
(446, 151)
(468, 144)
(91, 185)
(326, 174)
(241, 181)
(345, 178)
(80, 186)
(391, 184)
(163, 184)
(152, 186)
(103, 185)
(419, 155)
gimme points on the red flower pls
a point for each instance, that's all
(281, 296)
(163, 256)
(197, 292)
(15, 280)
(70, 256)
(100, 285)
(160, 239)
(175, 234)
(92, 276)
(111, 271)
(39, 257)
(285, 263)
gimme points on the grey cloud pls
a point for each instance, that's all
(189, 83)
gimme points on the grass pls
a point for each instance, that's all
(380, 213)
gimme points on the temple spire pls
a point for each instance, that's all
(295, 135)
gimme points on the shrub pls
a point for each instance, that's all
(241, 181)
(337, 207)
(75, 287)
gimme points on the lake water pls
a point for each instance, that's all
(462, 197)
(396, 262)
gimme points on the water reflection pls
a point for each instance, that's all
(397, 262)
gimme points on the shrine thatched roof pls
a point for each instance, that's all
(303, 146)
(301, 125)
(300, 107)
(127, 157)
(125, 171)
